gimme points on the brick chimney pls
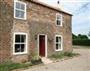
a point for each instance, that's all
(59, 4)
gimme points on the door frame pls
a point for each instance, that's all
(45, 44)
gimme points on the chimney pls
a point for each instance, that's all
(58, 4)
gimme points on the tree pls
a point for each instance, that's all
(82, 37)
(89, 33)
(74, 36)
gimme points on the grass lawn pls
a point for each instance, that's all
(11, 66)
(63, 55)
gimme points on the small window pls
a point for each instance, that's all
(58, 43)
(58, 19)
(20, 43)
(19, 10)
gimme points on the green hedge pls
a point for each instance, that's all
(81, 42)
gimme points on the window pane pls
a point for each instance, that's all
(59, 46)
(59, 39)
(23, 38)
(58, 22)
(56, 46)
(17, 38)
(22, 47)
(17, 5)
(22, 7)
(17, 48)
(56, 39)
(58, 17)
(17, 13)
(21, 14)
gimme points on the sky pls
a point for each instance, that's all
(80, 10)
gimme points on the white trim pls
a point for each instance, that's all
(26, 44)
(45, 44)
(61, 42)
(61, 20)
(19, 10)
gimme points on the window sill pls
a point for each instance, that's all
(59, 50)
(58, 25)
(19, 18)
(20, 53)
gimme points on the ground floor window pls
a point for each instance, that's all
(20, 43)
(58, 42)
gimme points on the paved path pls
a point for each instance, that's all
(80, 63)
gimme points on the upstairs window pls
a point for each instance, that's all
(19, 10)
(58, 19)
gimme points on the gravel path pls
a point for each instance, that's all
(80, 63)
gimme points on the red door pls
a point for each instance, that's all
(42, 45)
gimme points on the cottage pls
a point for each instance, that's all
(31, 28)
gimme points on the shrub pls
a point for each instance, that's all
(81, 42)
(35, 62)
(69, 54)
(36, 59)
(62, 55)
(57, 55)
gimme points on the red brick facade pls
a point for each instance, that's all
(40, 20)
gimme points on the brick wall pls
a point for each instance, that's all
(40, 20)
(6, 23)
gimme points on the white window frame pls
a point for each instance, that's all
(61, 43)
(61, 20)
(26, 44)
(19, 9)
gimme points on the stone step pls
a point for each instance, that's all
(46, 60)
